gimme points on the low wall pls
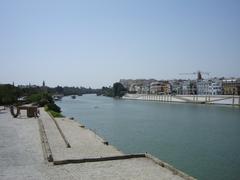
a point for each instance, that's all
(199, 99)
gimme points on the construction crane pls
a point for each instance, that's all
(198, 73)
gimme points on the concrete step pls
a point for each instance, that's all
(84, 143)
(56, 143)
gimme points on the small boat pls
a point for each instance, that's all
(73, 97)
(57, 97)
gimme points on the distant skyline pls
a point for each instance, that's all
(96, 43)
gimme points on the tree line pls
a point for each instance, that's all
(10, 94)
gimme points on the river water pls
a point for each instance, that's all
(201, 140)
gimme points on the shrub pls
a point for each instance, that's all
(41, 99)
(53, 107)
(35, 97)
(43, 102)
(55, 114)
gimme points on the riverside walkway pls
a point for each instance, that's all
(47, 148)
(233, 100)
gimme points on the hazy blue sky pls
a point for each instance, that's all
(95, 43)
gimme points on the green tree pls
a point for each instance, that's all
(40, 98)
(118, 90)
(8, 94)
(106, 91)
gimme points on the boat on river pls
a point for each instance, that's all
(57, 97)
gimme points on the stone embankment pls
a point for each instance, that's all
(198, 99)
(48, 148)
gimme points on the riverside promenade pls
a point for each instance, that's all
(60, 148)
(233, 100)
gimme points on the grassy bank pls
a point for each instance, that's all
(53, 113)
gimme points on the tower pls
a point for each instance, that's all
(199, 75)
(44, 88)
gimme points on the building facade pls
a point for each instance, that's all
(189, 87)
(135, 88)
(176, 86)
(215, 88)
(231, 86)
(160, 87)
(203, 87)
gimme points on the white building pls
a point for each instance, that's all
(215, 88)
(146, 89)
(176, 86)
(135, 88)
(209, 87)
(203, 87)
(189, 87)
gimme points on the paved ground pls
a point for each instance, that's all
(21, 154)
(84, 143)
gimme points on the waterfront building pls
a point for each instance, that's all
(176, 86)
(146, 89)
(215, 87)
(231, 86)
(203, 87)
(131, 88)
(160, 87)
(137, 85)
(189, 87)
(135, 88)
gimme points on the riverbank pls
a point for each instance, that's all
(197, 99)
(87, 157)
(192, 137)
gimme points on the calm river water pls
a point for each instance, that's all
(201, 140)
